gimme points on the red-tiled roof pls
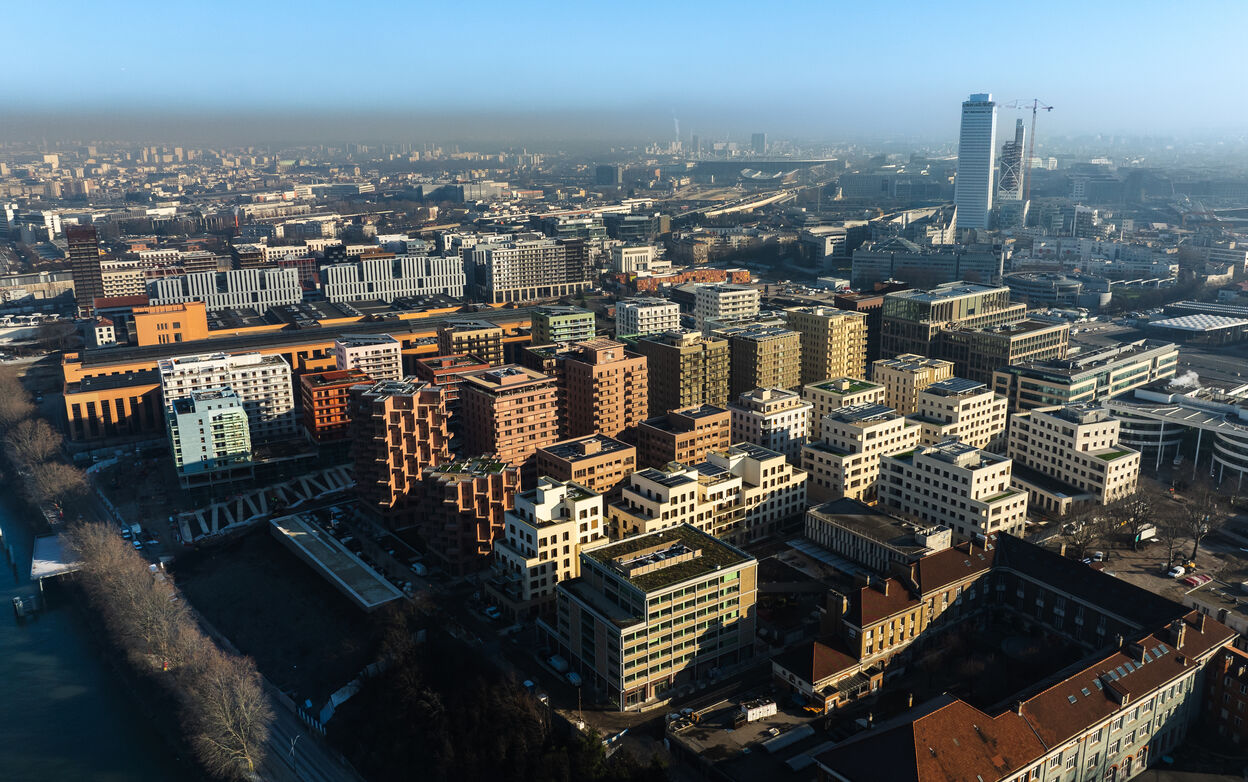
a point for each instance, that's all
(871, 604)
(816, 661)
(951, 566)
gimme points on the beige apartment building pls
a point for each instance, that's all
(478, 337)
(954, 484)
(963, 410)
(772, 490)
(597, 462)
(740, 494)
(905, 376)
(510, 411)
(656, 612)
(838, 392)
(834, 342)
(762, 357)
(773, 418)
(1069, 456)
(685, 369)
(656, 499)
(541, 543)
(686, 436)
(845, 460)
(379, 356)
(606, 388)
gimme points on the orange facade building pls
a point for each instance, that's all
(398, 428)
(463, 507)
(597, 462)
(606, 388)
(686, 436)
(509, 411)
(326, 400)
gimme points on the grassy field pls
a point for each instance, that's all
(305, 636)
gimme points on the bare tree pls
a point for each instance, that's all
(1204, 512)
(1085, 530)
(228, 714)
(56, 335)
(1134, 514)
(57, 482)
(1171, 531)
(33, 441)
(15, 402)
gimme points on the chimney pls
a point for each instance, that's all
(1018, 708)
(1119, 641)
(1200, 623)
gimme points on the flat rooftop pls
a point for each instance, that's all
(844, 385)
(1095, 360)
(953, 290)
(292, 338)
(867, 522)
(857, 414)
(347, 572)
(715, 555)
(955, 386)
(1200, 322)
(588, 447)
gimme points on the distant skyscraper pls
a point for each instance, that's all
(977, 151)
(1010, 180)
(758, 142)
(84, 265)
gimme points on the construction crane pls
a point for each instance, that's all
(1035, 107)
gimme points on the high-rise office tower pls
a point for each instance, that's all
(758, 142)
(977, 152)
(84, 265)
(1010, 179)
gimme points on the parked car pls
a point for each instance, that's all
(1176, 571)
(492, 612)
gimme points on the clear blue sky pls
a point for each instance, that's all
(897, 68)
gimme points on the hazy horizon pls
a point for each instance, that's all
(544, 71)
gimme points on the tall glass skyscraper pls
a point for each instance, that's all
(977, 154)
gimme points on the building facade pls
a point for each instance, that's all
(845, 460)
(905, 376)
(957, 485)
(509, 411)
(977, 153)
(1089, 377)
(644, 316)
(839, 392)
(773, 418)
(599, 463)
(209, 438)
(563, 324)
(380, 356)
(388, 277)
(724, 302)
(962, 410)
(398, 428)
(326, 403)
(262, 384)
(463, 511)
(685, 369)
(541, 543)
(641, 620)
(685, 435)
(762, 357)
(481, 338)
(1070, 456)
(834, 342)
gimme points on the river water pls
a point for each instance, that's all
(63, 715)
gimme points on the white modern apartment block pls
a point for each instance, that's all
(530, 269)
(262, 383)
(628, 260)
(1069, 456)
(387, 279)
(542, 540)
(655, 499)
(209, 437)
(648, 315)
(954, 484)
(845, 460)
(772, 490)
(724, 302)
(379, 356)
(904, 376)
(257, 289)
(963, 410)
(122, 278)
(977, 162)
(773, 418)
(839, 392)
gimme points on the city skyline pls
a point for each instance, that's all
(613, 75)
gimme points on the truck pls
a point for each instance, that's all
(136, 530)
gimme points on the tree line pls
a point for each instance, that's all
(224, 712)
(1177, 522)
(34, 448)
(443, 708)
